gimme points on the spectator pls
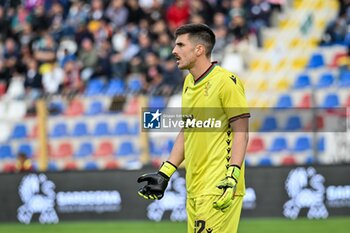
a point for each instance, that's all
(45, 49)
(117, 13)
(24, 164)
(177, 14)
(33, 80)
(88, 58)
(136, 13)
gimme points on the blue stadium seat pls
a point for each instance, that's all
(331, 101)
(19, 131)
(90, 166)
(52, 166)
(284, 101)
(94, 87)
(135, 85)
(26, 149)
(326, 80)
(293, 123)
(101, 129)
(125, 149)
(121, 128)
(302, 81)
(56, 108)
(265, 162)
(169, 145)
(115, 87)
(85, 149)
(59, 130)
(278, 144)
(269, 124)
(154, 150)
(95, 108)
(344, 80)
(321, 144)
(302, 143)
(157, 102)
(80, 130)
(6, 152)
(316, 61)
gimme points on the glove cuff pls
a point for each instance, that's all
(233, 171)
(167, 169)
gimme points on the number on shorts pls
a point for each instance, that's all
(199, 226)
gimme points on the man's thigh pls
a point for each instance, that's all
(203, 218)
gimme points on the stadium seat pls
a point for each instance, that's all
(321, 144)
(104, 149)
(347, 102)
(126, 149)
(111, 165)
(6, 152)
(302, 143)
(288, 161)
(155, 151)
(269, 124)
(344, 80)
(325, 80)
(115, 87)
(121, 128)
(134, 85)
(9, 167)
(80, 130)
(19, 132)
(101, 129)
(169, 146)
(64, 150)
(94, 87)
(255, 145)
(284, 101)
(91, 166)
(59, 130)
(293, 123)
(305, 102)
(310, 160)
(302, 81)
(85, 149)
(75, 108)
(52, 166)
(26, 149)
(70, 166)
(316, 61)
(56, 108)
(95, 108)
(330, 101)
(157, 102)
(278, 144)
(265, 162)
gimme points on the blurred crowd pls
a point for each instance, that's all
(50, 47)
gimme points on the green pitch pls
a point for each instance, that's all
(332, 225)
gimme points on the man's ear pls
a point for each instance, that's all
(199, 50)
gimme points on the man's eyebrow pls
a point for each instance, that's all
(179, 43)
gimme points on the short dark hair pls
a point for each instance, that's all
(199, 33)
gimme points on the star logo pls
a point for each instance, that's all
(151, 119)
(156, 115)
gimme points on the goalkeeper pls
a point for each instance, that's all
(214, 160)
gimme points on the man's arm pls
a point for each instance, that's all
(240, 141)
(177, 153)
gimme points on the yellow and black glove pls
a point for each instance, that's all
(228, 185)
(157, 182)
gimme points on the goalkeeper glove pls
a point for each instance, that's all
(229, 188)
(156, 182)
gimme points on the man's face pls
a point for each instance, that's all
(184, 52)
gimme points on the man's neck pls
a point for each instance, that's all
(200, 68)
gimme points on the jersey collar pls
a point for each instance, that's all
(205, 74)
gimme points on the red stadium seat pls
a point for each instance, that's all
(256, 145)
(110, 165)
(105, 148)
(9, 167)
(288, 161)
(2, 88)
(75, 108)
(64, 150)
(70, 166)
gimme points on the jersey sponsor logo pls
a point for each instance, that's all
(206, 88)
